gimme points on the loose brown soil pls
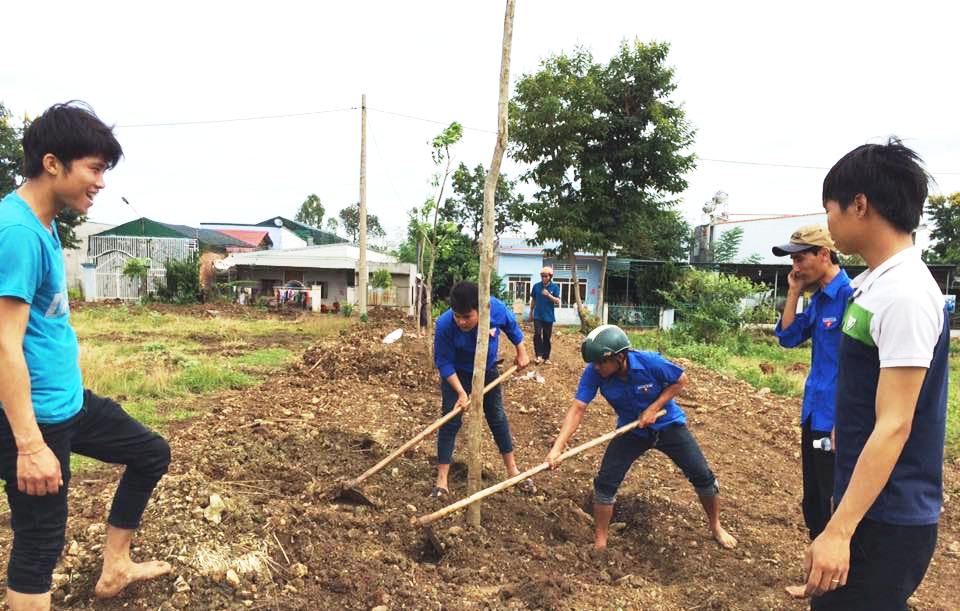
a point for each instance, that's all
(275, 454)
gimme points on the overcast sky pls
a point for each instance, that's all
(762, 82)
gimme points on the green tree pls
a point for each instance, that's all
(381, 279)
(11, 152)
(709, 304)
(350, 220)
(332, 225)
(944, 212)
(727, 246)
(606, 148)
(11, 165)
(138, 269)
(441, 157)
(466, 207)
(311, 212)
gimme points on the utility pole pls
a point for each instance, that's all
(362, 284)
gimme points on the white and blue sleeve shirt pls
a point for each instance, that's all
(896, 318)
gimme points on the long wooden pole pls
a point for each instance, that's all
(434, 426)
(362, 271)
(516, 479)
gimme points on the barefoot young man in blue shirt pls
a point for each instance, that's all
(637, 385)
(891, 391)
(46, 413)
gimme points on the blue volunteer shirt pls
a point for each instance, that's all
(542, 306)
(820, 321)
(31, 270)
(648, 376)
(453, 350)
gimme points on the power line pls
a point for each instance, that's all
(238, 119)
(436, 122)
(425, 120)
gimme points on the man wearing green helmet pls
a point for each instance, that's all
(637, 385)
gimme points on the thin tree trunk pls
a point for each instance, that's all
(603, 285)
(433, 258)
(581, 309)
(419, 287)
(475, 415)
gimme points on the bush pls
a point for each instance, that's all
(74, 294)
(182, 280)
(708, 304)
(381, 279)
(347, 309)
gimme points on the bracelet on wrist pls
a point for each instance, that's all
(37, 451)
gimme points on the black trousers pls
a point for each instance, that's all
(887, 564)
(817, 481)
(100, 430)
(541, 338)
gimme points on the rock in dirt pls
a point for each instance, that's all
(299, 570)
(214, 511)
(181, 585)
(232, 579)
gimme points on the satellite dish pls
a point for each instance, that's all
(278, 222)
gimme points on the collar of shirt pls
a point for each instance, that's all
(834, 285)
(864, 281)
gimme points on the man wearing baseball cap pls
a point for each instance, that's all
(815, 265)
(544, 298)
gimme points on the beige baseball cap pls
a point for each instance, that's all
(804, 238)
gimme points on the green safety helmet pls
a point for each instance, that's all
(602, 342)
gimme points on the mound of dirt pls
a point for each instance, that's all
(249, 519)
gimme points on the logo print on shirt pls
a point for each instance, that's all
(59, 306)
(829, 322)
(850, 323)
(644, 388)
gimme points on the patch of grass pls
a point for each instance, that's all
(267, 357)
(151, 362)
(741, 354)
(209, 377)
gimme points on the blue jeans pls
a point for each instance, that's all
(492, 409)
(675, 441)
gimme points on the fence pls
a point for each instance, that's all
(111, 253)
(634, 316)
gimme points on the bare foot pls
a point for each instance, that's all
(796, 591)
(725, 539)
(113, 582)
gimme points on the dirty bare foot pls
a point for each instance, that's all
(796, 591)
(114, 580)
(725, 539)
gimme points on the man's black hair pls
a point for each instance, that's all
(68, 131)
(890, 175)
(465, 297)
(833, 254)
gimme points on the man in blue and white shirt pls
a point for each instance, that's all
(891, 390)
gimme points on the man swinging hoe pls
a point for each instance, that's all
(639, 386)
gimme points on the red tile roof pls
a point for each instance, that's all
(253, 238)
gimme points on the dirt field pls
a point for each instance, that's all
(274, 454)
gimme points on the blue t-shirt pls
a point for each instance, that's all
(821, 321)
(647, 378)
(542, 306)
(31, 270)
(453, 350)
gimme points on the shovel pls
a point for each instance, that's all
(426, 520)
(350, 492)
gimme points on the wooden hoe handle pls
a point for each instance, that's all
(436, 424)
(516, 479)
